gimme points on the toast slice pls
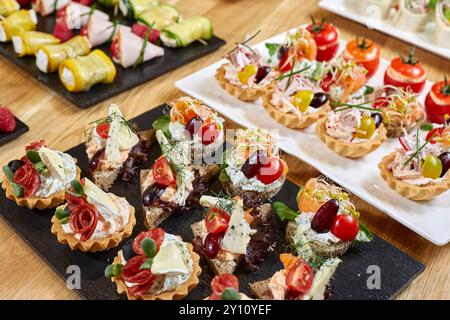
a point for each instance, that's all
(327, 251)
(261, 290)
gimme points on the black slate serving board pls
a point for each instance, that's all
(125, 79)
(397, 268)
(20, 129)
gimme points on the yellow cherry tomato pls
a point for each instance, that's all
(431, 167)
(366, 128)
(302, 99)
(247, 72)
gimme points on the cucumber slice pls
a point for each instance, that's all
(184, 33)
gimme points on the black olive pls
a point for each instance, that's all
(194, 125)
(378, 118)
(152, 193)
(318, 100)
(252, 165)
(15, 164)
(263, 71)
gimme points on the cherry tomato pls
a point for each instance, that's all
(345, 227)
(209, 134)
(431, 167)
(212, 244)
(285, 63)
(162, 172)
(300, 277)
(103, 130)
(115, 49)
(270, 171)
(409, 70)
(216, 221)
(221, 282)
(365, 52)
(247, 72)
(437, 102)
(156, 234)
(326, 37)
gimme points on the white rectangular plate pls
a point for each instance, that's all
(424, 39)
(430, 219)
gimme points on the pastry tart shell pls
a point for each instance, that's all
(36, 202)
(348, 149)
(290, 120)
(245, 94)
(178, 294)
(410, 191)
(93, 245)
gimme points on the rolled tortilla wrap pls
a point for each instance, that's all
(81, 73)
(27, 43)
(99, 31)
(407, 20)
(77, 15)
(375, 9)
(22, 20)
(7, 7)
(130, 47)
(49, 57)
(442, 33)
(184, 33)
(160, 16)
(46, 7)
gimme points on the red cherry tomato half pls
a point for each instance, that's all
(156, 234)
(224, 281)
(209, 134)
(103, 130)
(285, 63)
(162, 172)
(300, 277)
(115, 49)
(345, 227)
(216, 221)
(271, 171)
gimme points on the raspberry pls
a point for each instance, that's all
(7, 120)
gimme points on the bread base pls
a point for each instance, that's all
(178, 294)
(240, 92)
(93, 245)
(413, 192)
(36, 202)
(348, 149)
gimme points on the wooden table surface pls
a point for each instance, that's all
(24, 275)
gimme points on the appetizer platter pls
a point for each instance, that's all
(377, 107)
(10, 126)
(129, 43)
(125, 248)
(416, 22)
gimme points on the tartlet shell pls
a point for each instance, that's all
(36, 202)
(93, 245)
(348, 149)
(240, 92)
(290, 120)
(178, 294)
(413, 192)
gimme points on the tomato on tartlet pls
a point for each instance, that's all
(406, 73)
(437, 102)
(364, 52)
(326, 36)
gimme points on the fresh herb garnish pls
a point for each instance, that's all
(363, 43)
(144, 44)
(411, 59)
(272, 48)
(364, 234)
(77, 189)
(426, 127)
(33, 156)
(230, 294)
(162, 123)
(113, 270)
(284, 212)
(348, 106)
(245, 43)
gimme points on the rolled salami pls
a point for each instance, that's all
(412, 15)
(99, 31)
(77, 15)
(160, 16)
(22, 20)
(184, 33)
(7, 7)
(132, 8)
(442, 33)
(81, 73)
(27, 43)
(129, 49)
(46, 7)
(49, 57)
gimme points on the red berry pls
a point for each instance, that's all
(62, 31)
(7, 120)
